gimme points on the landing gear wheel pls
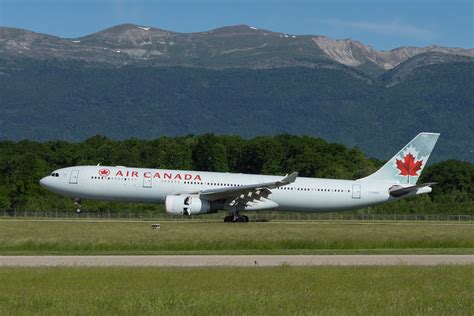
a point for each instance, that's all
(77, 202)
(236, 219)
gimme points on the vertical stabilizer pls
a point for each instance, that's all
(406, 166)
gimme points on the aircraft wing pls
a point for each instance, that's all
(245, 190)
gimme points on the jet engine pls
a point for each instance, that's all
(187, 205)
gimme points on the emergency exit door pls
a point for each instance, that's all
(147, 181)
(356, 191)
(74, 176)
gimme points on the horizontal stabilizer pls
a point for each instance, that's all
(398, 190)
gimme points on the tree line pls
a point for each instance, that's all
(24, 163)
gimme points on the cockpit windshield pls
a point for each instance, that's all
(55, 174)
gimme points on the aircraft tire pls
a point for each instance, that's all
(232, 219)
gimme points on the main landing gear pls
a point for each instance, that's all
(77, 203)
(236, 218)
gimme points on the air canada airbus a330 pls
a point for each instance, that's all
(196, 192)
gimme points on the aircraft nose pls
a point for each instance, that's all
(44, 182)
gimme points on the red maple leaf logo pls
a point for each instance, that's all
(408, 167)
(104, 172)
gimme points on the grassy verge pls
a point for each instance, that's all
(103, 237)
(441, 290)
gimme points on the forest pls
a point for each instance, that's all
(73, 101)
(24, 163)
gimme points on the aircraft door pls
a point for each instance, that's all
(356, 191)
(147, 180)
(74, 177)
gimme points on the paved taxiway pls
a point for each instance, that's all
(236, 260)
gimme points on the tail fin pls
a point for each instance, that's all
(406, 166)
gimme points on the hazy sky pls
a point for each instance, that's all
(384, 24)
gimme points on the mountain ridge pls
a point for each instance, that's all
(226, 47)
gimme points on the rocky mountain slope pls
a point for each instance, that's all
(353, 53)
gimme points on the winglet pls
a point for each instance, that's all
(289, 178)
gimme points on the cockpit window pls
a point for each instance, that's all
(54, 174)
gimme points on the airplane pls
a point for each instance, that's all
(198, 192)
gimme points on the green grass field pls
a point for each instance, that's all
(441, 290)
(105, 237)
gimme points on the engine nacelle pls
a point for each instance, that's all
(187, 205)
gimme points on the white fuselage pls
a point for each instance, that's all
(154, 185)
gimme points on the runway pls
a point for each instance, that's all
(235, 261)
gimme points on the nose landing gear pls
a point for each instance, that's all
(77, 203)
